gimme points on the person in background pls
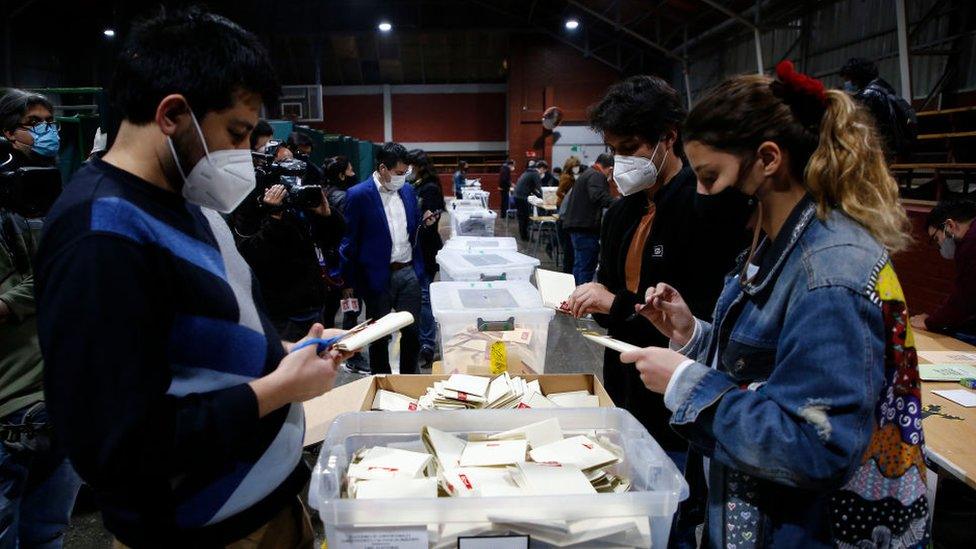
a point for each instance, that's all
(505, 184)
(894, 116)
(529, 184)
(571, 170)
(951, 229)
(382, 261)
(653, 234)
(801, 401)
(546, 179)
(339, 176)
(459, 178)
(283, 153)
(37, 484)
(428, 189)
(288, 254)
(584, 213)
(260, 135)
(557, 172)
(165, 381)
(301, 146)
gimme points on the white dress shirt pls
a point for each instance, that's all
(396, 219)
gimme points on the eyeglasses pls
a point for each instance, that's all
(934, 237)
(42, 127)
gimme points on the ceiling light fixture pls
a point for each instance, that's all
(385, 27)
(109, 33)
(572, 24)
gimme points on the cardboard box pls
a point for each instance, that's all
(358, 395)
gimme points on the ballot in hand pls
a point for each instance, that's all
(668, 312)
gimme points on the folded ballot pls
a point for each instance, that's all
(359, 338)
(396, 488)
(445, 447)
(551, 479)
(407, 463)
(537, 434)
(388, 401)
(581, 451)
(493, 453)
(575, 399)
(555, 288)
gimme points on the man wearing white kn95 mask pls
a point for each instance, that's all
(166, 382)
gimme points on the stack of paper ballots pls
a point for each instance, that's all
(534, 460)
(465, 392)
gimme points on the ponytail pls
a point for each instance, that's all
(848, 171)
(833, 145)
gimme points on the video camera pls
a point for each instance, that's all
(288, 172)
(28, 191)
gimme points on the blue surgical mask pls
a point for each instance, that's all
(47, 141)
(849, 86)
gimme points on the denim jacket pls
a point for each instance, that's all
(810, 422)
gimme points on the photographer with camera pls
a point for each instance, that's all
(300, 146)
(37, 484)
(289, 250)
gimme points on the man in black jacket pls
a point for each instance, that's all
(894, 117)
(584, 211)
(660, 231)
(284, 255)
(529, 183)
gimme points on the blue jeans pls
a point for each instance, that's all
(37, 488)
(586, 251)
(428, 328)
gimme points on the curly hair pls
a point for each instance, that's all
(833, 149)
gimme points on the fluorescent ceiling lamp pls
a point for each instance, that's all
(385, 27)
(109, 33)
(572, 24)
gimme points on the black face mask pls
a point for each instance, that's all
(729, 208)
(30, 191)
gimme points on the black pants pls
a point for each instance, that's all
(402, 294)
(523, 211)
(566, 243)
(504, 206)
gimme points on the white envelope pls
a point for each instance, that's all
(388, 401)
(472, 481)
(493, 453)
(383, 327)
(553, 479)
(575, 400)
(397, 488)
(536, 400)
(554, 287)
(411, 464)
(537, 434)
(446, 447)
(464, 383)
(580, 451)
(358, 471)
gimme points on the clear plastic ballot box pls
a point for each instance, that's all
(485, 264)
(490, 327)
(486, 243)
(645, 511)
(473, 222)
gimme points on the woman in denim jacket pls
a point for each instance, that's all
(801, 400)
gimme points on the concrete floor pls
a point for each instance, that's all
(567, 353)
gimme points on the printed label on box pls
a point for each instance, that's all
(400, 537)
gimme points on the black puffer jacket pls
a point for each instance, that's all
(431, 198)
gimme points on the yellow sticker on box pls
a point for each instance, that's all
(498, 357)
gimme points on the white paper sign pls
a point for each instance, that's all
(961, 397)
(398, 537)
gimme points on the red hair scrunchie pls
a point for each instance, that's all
(800, 83)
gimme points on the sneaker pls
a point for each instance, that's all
(357, 365)
(426, 358)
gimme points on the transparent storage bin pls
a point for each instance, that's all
(482, 243)
(473, 316)
(485, 264)
(473, 222)
(467, 203)
(657, 486)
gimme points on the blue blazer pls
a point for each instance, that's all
(366, 247)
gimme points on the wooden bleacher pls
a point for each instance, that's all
(944, 158)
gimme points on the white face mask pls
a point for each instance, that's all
(221, 180)
(395, 182)
(633, 174)
(576, 169)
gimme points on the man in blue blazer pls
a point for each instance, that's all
(381, 259)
